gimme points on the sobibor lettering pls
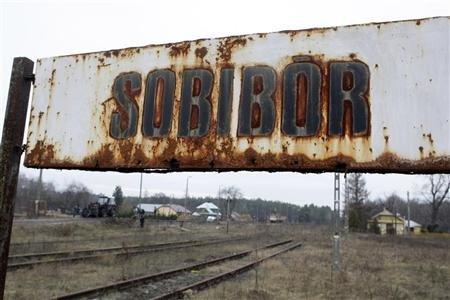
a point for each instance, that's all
(306, 92)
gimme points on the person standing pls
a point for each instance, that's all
(141, 217)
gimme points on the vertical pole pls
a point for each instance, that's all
(228, 212)
(395, 217)
(140, 189)
(39, 189)
(38, 195)
(11, 151)
(220, 203)
(346, 199)
(409, 214)
(336, 239)
(187, 191)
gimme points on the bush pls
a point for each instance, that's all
(125, 211)
(433, 228)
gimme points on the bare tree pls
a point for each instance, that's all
(231, 194)
(435, 192)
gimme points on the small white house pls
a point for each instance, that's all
(209, 210)
(149, 209)
(414, 227)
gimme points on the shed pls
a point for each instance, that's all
(387, 223)
(149, 209)
(414, 227)
(277, 218)
(169, 210)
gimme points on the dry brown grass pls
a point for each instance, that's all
(373, 267)
(47, 281)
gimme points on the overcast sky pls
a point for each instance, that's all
(38, 29)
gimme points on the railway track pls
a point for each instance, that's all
(34, 259)
(173, 283)
(19, 246)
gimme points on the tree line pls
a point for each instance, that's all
(75, 194)
(78, 195)
(430, 207)
(259, 209)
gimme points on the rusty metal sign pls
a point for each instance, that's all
(369, 97)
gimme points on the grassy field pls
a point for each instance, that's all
(373, 267)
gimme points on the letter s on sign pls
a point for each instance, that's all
(124, 120)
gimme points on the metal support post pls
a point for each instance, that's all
(140, 189)
(11, 151)
(346, 203)
(187, 193)
(336, 238)
(409, 215)
(228, 213)
(39, 189)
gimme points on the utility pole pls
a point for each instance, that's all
(395, 217)
(220, 204)
(187, 192)
(346, 203)
(140, 189)
(336, 238)
(409, 213)
(228, 212)
(39, 188)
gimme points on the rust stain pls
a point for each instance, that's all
(102, 157)
(256, 115)
(51, 80)
(201, 52)
(227, 45)
(179, 49)
(41, 155)
(193, 124)
(133, 157)
(102, 65)
(169, 152)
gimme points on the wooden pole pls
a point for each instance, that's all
(11, 151)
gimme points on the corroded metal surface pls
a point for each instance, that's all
(11, 151)
(369, 97)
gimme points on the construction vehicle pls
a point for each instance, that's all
(102, 207)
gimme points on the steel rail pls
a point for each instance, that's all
(161, 275)
(205, 283)
(91, 251)
(16, 266)
(49, 242)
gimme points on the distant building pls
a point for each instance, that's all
(277, 218)
(149, 209)
(240, 217)
(169, 210)
(387, 223)
(414, 227)
(207, 210)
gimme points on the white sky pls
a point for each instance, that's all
(38, 29)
